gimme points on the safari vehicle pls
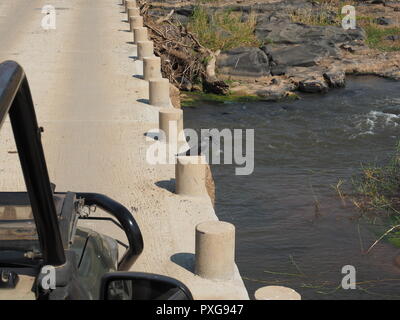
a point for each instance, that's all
(44, 253)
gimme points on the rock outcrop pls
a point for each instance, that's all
(244, 62)
(294, 56)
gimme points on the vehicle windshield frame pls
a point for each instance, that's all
(16, 101)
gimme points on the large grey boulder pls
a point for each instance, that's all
(243, 62)
(298, 33)
(181, 13)
(393, 37)
(383, 21)
(299, 55)
(335, 79)
(297, 44)
(313, 86)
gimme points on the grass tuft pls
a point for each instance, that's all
(380, 186)
(223, 30)
(326, 14)
(378, 192)
(376, 37)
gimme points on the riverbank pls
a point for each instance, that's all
(273, 49)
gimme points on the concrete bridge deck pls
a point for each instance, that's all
(86, 97)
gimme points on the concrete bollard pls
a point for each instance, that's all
(133, 12)
(276, 293)
(140, 34)
(159, 92)
(215, 250)
(190, 175)
(135, 22)
(130, 4)
(169, 119)
(145, 49)
(151, 68)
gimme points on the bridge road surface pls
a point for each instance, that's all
(86, 98)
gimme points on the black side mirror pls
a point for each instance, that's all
(142, 286)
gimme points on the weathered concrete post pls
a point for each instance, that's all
(140, 34)
(215, 250)
(159, 92)
(151, 68)
(190, 175)
(169, 119)
(145, 49)
(133, 12)
(135, 22)
(130, 4)
(276, 293)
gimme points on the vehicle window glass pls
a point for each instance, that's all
(17, 225)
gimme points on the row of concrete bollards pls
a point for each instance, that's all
(215, 240)
(190, 170)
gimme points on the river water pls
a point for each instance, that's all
(292, 227)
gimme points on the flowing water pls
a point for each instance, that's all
(292, 227)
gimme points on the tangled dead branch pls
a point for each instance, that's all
(185, 62)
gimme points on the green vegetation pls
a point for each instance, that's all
(291, 96)
(376, 37)
(223, 30)
(192, 99)
(380, 186)
(378, 192)
(326, 14)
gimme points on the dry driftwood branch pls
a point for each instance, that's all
(167, 17)
(381, 237)
(185, 61)
(210, 68)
